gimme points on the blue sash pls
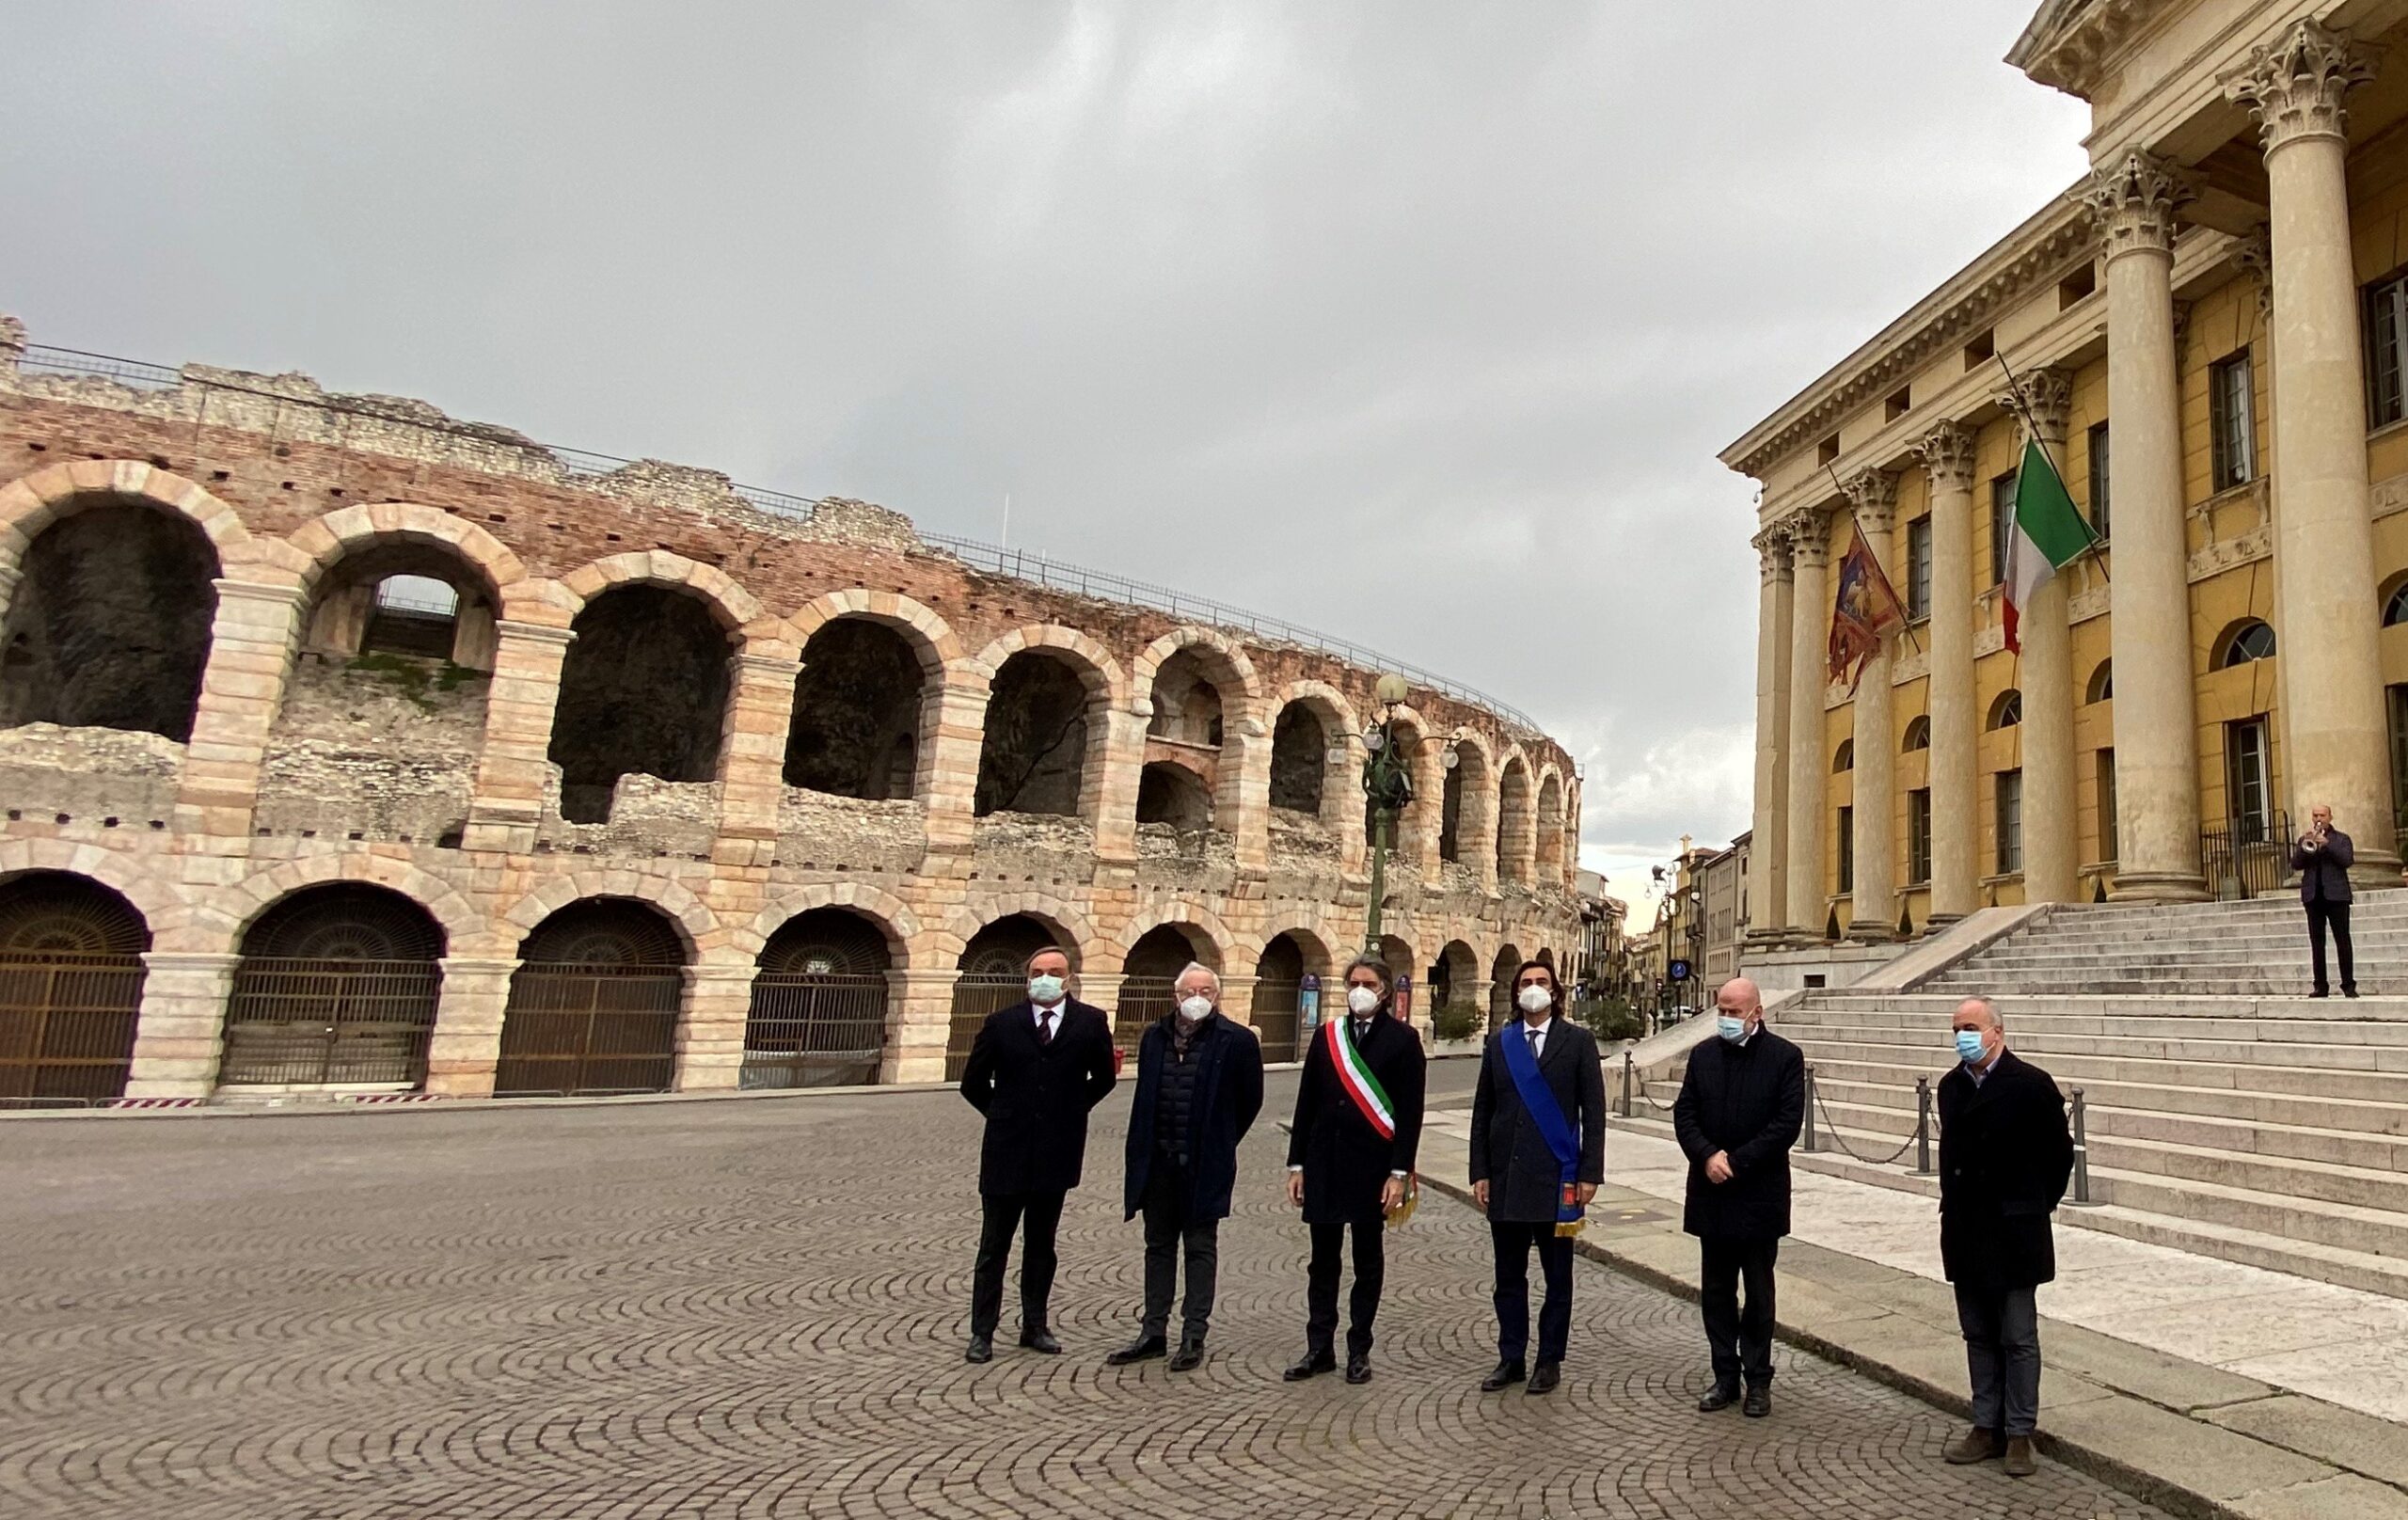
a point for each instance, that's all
(1538, 1101)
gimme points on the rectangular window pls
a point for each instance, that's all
(2002, 525)
(2232, 422)
(2010, 821)
(2099, 480)
(1919, 836)
(2107, 846)
(1847, 849)
(2386, 319)
(2249, 788)
(1919, 568)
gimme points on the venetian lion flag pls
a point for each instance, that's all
(1863, 610)
(2049, 534)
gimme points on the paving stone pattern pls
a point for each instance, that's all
(756, 1309)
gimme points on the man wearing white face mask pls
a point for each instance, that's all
(1742, 1102)
(1199, 1086)
(1035, 1070)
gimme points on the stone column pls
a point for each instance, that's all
(251, 643)
(181, 1020)
(710, 1038)
(2157, 741)
(1767, 892)
(919, 1025)
(752, 754)
(513, 766)
(2331, 672)
(1874, 901)
(1809, 651)
(467, 1045)
(1237, 998)
(956, 728)
(1245, 801)
(1947, 453)
(1111, 786)
(2052, 856)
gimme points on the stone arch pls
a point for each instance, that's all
(232, 910)
(731, 605)
(1501, 968)
(1226, 950)
(1547, 846)
(1227, 660)
(896, 920)
(1087, 949)
(325, 541)
(1417, 833)
(647, 686)
(159, 900)
(1017, 768)
(345, 556)
(1461, 964)
(1333, 787)
(919, 626)
(1468, 805)
(1516, 816)
(1098, 670)
(695, 924)
(32, 502)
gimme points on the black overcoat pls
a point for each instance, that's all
(1749, 1103)
(1227, 1095)
(1035, 1097)
(1507, 1150)
(2326, 873)
(2005, 1155)
(1345, 1161)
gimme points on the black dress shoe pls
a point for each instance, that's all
(1717, 1397)
(982, 1349)
(1144, 1349)
(1759, 1402)
(1545, 1376)
(1041, 1342)
(1508, 1372)
(1358, 1367)
(1314, 1364)
(1189, 1357)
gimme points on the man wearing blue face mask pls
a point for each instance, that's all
(1035, 1070)
(1742, 1102)
(2005, 1155)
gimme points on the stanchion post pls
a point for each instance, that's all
(1922, 1126)
(2082, 1198)
(1626, 1065)
(1808, 1144)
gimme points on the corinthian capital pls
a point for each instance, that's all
(1874, 495)
(2041, 398)
(2293, 86)
(2133, 200)
(1810, 537)
(1772, 548)
(1947, 454)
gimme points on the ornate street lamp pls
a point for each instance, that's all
(1387, 781)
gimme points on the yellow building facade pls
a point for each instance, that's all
(2209, 336)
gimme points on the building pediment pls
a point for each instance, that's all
(2069, 40)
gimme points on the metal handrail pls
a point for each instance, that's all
(1021, 564)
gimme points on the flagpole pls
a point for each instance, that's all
(1905, 625)
(2023, 410)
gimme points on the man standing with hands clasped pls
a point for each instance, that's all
(1742, 1102)
(2323, 857)
(1036, 1069)
(1538, 1152)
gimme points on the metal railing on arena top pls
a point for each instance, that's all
(1020, 564)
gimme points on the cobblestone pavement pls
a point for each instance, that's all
(756, 1309)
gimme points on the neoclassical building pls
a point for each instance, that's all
(346, 748)
(2207, 333)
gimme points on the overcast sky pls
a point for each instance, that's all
(1420, 324)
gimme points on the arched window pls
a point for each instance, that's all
(2245, 641)
(1918, 735)
(2394, 607)
(1843, 759)
(2102, 683)
(2007, 710)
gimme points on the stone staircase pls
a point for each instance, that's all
(2227, 1114)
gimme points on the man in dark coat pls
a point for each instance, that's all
(1742, 1102)
(1350, 1152)
(1035, 1070)
(2005, 1155)
(1199, 1085)
(1519, 1181)
(2323, 857)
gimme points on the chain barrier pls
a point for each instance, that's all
(1831, 1130)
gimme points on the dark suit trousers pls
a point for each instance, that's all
(1168, 1233)
(2320, 913)
(1004, 1213)
(1512, 1242)
(2002, 1328)
(1321, 1286)
(1741, 1338)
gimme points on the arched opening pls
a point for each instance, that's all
(2394, 603)
(1187, 703)
(336, 986)
(70, 990)
(1279, 991)
(594, 1003)
(1173, 795)
(1399, 955)
(406, 600)
(993, 974)
(1550, 840)
(109, 626)
(1918, 735)
(1300, 743)
(1451, 976)
(2101, 687)
(1033, 755)
(1513, 821)
(1500, 988)
(1466, 815)
(2248, 640)
(643, 691)
(857, 712)
(820, 996)
(1152, 965)
(2007, 709)
(1843, 758)
(1451, 814)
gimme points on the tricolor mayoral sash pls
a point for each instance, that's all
(1354, 1075)
(1538, 1101)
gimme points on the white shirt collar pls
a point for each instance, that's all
(1045, 1012)
(1541, 1029)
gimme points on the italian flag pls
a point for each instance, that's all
(1356, 1077)
(2049, 534)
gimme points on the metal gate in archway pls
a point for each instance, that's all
(70, 990)
(587, 1027)
(297, 1019)
(820, 1004)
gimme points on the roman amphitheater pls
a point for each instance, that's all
(347, 750)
